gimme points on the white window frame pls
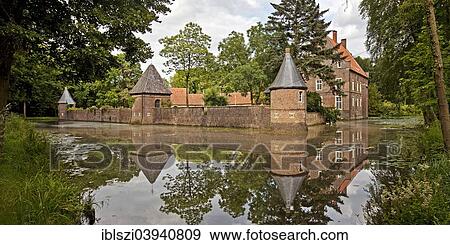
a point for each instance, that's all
(340, 102)
(353, 86)
(321, 100)
(339, 64)
(319, 84)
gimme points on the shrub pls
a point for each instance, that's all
(314, 104)
(212, 97)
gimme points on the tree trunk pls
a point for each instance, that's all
(187, 89)
(25, 109)
(439, 75)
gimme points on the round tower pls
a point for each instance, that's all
(288, 96)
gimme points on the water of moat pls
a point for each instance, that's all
(189, 175)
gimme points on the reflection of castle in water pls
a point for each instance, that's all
(290, 166)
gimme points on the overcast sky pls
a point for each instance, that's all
(218, 18)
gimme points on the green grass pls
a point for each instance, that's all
(31, 194)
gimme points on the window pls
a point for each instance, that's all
(353, 86)
(321, 100)
(353, 101)
(157, 103)
(338, 84)
(360, 87)
(338, 139)
(339, 64)
(319, 156)
(339, 156)
(300, 96)
(319, 85)
(338, 102)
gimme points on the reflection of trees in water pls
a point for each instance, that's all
(237, 189)
(189, 194)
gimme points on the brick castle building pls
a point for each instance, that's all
(355, 104)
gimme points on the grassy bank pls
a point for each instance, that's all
(422, 195)
(31, 194)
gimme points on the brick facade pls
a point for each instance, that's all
(355, 103)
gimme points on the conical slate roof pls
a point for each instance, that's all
(66, 98)
(152, 166)
(150, 83)
(288, 187)
(288, 77)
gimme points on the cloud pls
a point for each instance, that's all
(219, 18)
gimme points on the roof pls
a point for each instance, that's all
(150, 83)
(178, 98)
(288, 77)
(66, 98)
(288, 187)
(152, 166)
(239, 99)
(347, 56)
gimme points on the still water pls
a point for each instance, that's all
(187, 175)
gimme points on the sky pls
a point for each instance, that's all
(218, 18)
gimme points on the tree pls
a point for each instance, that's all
(186, 51)
(439, 74)
(233, 51)
(300, 24)
(393, 53)
(79, 35)
(248, 78)
(264, 52)
(35, 85)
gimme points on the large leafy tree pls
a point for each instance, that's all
(233, 51)
(406, 58)
(186, 51)
(300, 24)
(113, 90)
(80, 35)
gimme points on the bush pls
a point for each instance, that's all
(314, 104)
(212, 97)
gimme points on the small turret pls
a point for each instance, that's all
(288, 95)
(64, 102)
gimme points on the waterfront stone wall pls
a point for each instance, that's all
(257, 117)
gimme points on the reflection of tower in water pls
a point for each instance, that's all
(287, 168)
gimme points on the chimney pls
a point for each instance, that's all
(335, 36)
(344, 43)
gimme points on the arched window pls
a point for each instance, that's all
(157, 103)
